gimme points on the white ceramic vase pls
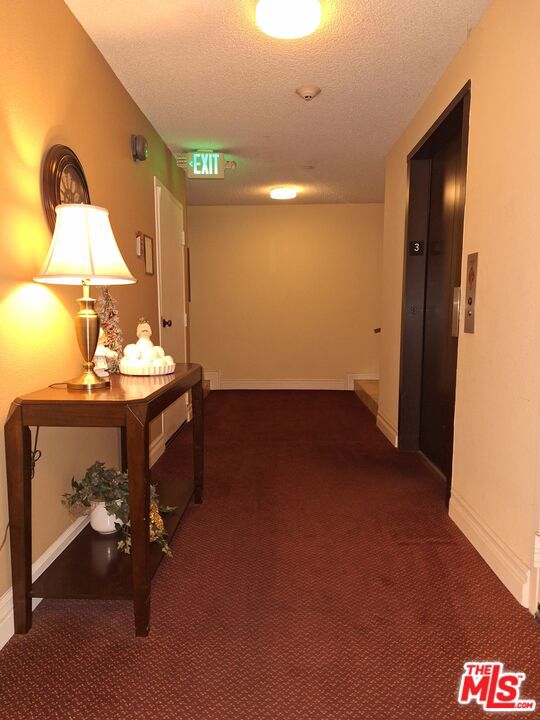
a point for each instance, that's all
(100, 520)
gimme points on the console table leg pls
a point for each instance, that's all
(139, 504)
(198, 440)
(123, 449)
(18, 449)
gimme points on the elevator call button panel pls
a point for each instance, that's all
(470, 291)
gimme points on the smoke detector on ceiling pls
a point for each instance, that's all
(308, 92)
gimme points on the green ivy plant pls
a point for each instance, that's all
(108, 485)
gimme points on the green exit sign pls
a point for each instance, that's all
(205, 165)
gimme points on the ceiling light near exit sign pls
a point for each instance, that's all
(283, 193)
(288, 19)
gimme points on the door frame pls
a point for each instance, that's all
(414, 280)
(158, 188)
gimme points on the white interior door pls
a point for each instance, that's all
(170, 256)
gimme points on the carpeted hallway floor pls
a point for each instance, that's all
(321, 579)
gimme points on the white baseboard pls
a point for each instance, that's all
(41, 564)
(217, 383)
(534, 591)
(282, 385)
(510, 570)
(214, 378)
(387, 429)
(351, 377)
(157, 448)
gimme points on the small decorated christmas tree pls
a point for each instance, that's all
(107, 309)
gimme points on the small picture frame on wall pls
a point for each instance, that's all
(148, 244)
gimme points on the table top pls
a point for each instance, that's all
(125, 389)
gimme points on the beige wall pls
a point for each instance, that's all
(498, 376)
(55, 87)
(285, 292)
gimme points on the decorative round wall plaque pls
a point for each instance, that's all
(63, 181)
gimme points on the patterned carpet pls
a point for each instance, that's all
(320, 580)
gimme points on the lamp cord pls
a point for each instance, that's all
(34, 457)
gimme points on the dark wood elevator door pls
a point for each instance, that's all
(443, 273)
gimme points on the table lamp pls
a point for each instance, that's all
(84, 251)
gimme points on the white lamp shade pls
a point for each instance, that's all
(83, 247)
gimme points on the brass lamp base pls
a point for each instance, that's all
(87, 329)
(88, 381)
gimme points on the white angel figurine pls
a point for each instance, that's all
(144, 356)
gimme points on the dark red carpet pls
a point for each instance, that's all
(321, 579)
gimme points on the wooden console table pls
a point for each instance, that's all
(91, 566)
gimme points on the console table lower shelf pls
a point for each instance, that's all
(92, 567)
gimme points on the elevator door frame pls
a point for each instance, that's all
(414, 285)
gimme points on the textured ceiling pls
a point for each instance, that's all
(206, 77)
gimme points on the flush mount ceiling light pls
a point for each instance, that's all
(283, 193)
(288, 19)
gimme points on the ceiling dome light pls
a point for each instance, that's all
(288, 19)
(283, 193)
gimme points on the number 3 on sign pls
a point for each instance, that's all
(416, 247)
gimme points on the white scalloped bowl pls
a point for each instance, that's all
(125, 369)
